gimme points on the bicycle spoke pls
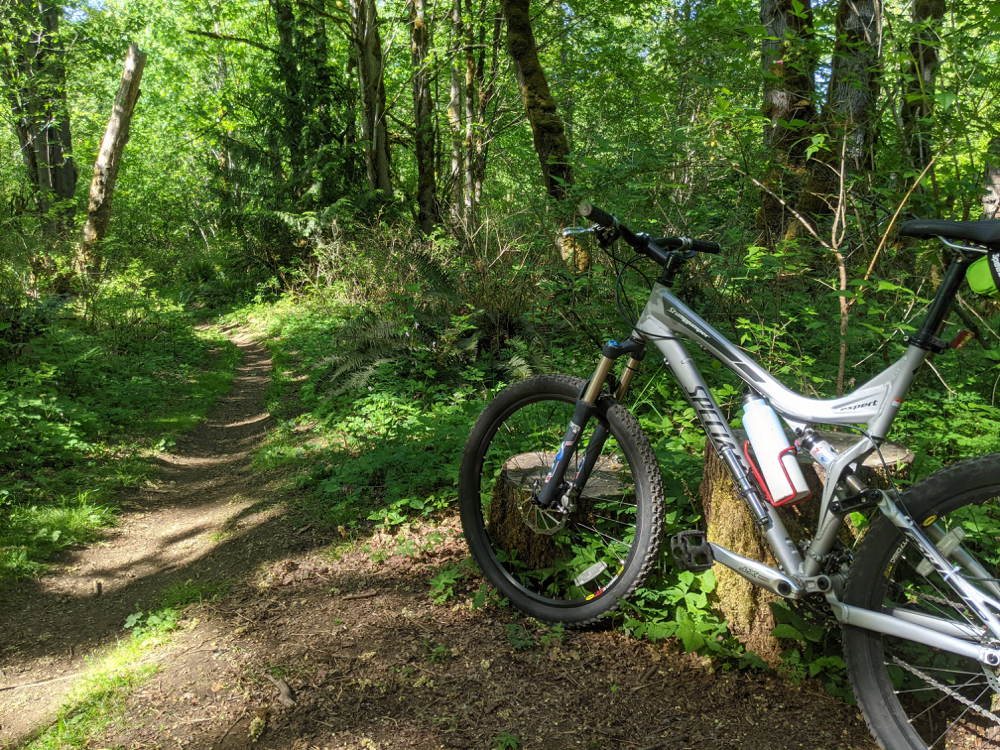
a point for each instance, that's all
(953, 723)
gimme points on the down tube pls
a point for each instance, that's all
(718, 430)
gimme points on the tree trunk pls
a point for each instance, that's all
(471, 209)
(991, 181)
(288, 66)
(919, 80)
(547, 128)
(455, 114)
(486, 89)
(102, 185)
(745, 606)
(371, 82)
(33, 71)
(850, 120)
(789, 65)
(423, 110)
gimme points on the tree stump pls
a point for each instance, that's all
(745, 606)
(511, 508)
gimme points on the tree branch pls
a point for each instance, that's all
(228, 38)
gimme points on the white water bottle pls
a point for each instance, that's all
(774, 454)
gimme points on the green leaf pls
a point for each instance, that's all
(787, 631)
(945, 99)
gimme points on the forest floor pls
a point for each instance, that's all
(349, 626)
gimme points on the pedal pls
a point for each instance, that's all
(691, 551)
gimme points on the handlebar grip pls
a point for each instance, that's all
(707, 247)
(589, 211)
(680, 243)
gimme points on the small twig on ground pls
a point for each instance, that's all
(231, 726)
(40, 682)
(361, 595)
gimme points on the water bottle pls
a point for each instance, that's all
(782, 477)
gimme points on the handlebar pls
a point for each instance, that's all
(651, 248)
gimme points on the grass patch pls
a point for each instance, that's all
(182, 594)
(100, 698)
(30, 535)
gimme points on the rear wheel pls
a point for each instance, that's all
(573, 567)
(915, 697)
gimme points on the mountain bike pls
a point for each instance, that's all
(562, 504)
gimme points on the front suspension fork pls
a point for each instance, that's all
(555, 490)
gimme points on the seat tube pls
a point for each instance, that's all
(676, 357)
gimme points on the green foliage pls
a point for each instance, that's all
(506, 741)
(435, 654)
(443, 584)
(818, 653)
(518, 637)
(677, 605)
(487, 596)
(152, 623)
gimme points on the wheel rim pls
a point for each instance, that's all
(561, 560)
(946, 699)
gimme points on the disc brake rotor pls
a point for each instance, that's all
(544, 521)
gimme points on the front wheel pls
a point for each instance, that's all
(559, 567)
(915, 697)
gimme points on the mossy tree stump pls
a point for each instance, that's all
(511, 500)
(745, 606)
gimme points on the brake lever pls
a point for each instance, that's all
(606, 236)
(569, 231)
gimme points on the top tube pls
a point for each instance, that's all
(875, 403)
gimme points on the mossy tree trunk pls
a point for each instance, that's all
(547, 128)
(789, 64)
(919, 81)
(33, 71)
(423, 111)
(991, 181)
(849, 123)
(367, 40)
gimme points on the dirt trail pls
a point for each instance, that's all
(173, 532)
(372, 661)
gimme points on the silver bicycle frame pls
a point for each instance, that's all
(874, 404)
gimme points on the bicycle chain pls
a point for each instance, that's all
(959, 607)
(953, 693)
